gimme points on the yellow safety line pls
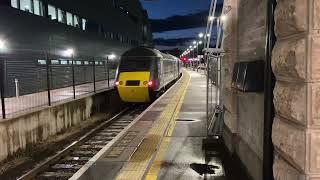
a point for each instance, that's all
(156, 165)
(139, 162)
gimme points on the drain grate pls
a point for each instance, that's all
(187, 120)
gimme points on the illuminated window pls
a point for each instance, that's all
(76, 21)
(42, 62)
(54, 61)
(14, 3)
(96, 62)
(86, 62)
(25, 5)
(84, 24)
(64, 62)
(78, 62)
(37, 7)
(52, 12)
(69, 19)
(61, 16)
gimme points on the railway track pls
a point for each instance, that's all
(67, 162)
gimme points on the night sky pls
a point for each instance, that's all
(176, 23)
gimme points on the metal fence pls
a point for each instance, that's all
(214, 96)
(32, 79)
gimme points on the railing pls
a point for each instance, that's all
(33, 79)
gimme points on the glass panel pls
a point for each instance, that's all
(14, 3)
(76, 21)
(61, 16)
(25, 5)
(86, 62)
(52, 12)
(69, 19)
(78, 62)
(36, 7)
(42, 62)
(84, 24)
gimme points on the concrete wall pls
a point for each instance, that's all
(20, 133)
(296, 64)
(244, 41)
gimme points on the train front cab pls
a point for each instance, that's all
(135, 79)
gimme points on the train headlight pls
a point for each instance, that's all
(119, 83)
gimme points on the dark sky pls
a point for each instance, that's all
(176, 23)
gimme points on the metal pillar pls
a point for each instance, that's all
(48, 78)
(73, 78)
(108, 70)
(94, 75)
(2, 89)
(269, 84)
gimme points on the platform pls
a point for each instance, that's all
(168, 141)
(30, 102)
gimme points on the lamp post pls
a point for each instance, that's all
(3, 108)
(70, 53)
(112, 56)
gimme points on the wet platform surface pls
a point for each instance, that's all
(168, 141)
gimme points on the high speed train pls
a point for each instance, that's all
(144, 72)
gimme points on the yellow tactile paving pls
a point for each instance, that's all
(137, 166)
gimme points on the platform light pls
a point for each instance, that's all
(211, 18)
(2, 44)
(208, 35)
(112, 56)
(223, 18)
(200, 42)
(69, 52)
(194, 42)
(200, 35)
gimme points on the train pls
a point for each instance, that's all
(39, 32)
(143, 73)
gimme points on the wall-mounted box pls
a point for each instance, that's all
(248, 76)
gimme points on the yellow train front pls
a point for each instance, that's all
(143, 73)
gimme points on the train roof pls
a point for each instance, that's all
(145, 51)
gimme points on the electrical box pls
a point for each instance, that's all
(248, 76)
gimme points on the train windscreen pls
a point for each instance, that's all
(131, 65)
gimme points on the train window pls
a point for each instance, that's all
(61, 16)
(55, 62)
(25, 5)
(37, 7)
(135, 65)
(64, 62)
(42, 62)
(76, 21)
(14, 3)
(69, 19)
(84, 24)
(52, 13)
